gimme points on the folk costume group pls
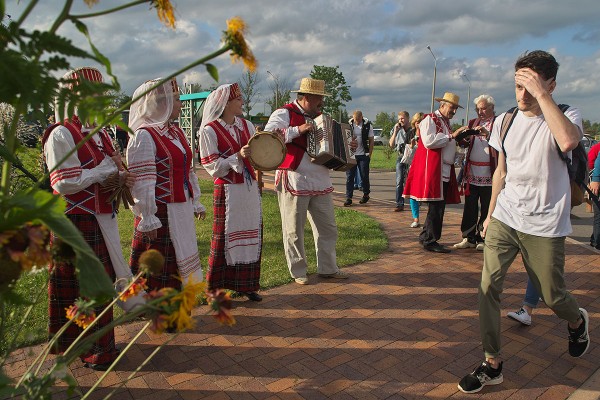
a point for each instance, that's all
(497, 175)
(166, 197)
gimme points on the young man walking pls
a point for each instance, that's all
(529, 211)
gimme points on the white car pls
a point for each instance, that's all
(378, 140)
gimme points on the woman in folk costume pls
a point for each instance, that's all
(236, 245)
(78, 179)
(166, 190)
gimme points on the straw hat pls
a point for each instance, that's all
(312, 86)
(450, 98)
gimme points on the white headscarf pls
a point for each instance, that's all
(215, 104)
(155, 107)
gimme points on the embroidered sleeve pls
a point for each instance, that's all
(141, 159)
(70, 177)
(217, 164)
(432, 139)
(279, 121)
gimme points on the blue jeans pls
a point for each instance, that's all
(401, 172)
(357, 181)
(362, 164)
(532, 297)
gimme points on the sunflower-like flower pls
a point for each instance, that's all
(219, 301)
(136, 287)
(27, 246)
(82, 313)
(151, 262)
(234, 38)
(165, 11)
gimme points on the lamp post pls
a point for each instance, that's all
(276, 90)
(434, 76)
(464, 75)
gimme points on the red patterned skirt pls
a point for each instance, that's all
(140, 243)
(240, 277)
(63, 290)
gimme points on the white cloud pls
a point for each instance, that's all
(380, 46)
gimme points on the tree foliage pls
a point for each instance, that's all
(335, 85)
(385, 121)
(280, 92)
(248, 85)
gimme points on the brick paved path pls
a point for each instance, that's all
(403, 326)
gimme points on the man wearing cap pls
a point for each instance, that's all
(431, 177)
(304, 188)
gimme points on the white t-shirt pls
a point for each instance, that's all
(536, 198)
(362, 148)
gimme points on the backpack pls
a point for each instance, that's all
(576, 165)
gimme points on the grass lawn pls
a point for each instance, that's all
(380, 160)
(360, 238)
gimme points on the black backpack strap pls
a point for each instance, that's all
(507, 121)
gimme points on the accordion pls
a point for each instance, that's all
(328, 144)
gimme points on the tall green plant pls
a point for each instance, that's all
(30, 63)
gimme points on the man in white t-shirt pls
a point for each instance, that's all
(529, 211)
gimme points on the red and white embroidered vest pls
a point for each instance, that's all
(227, 146)
(90, 200)
(297, 147)
(172, 167)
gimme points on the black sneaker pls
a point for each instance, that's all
(579, 339)
(364, 199)
(481, 376)
(348, 203)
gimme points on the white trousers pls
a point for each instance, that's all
(319, 210)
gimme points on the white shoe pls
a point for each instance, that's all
(465, 244)
(522, 316)
(301, 281)
(479, 247)
(415, 224)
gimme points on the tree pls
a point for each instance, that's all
(385, 121)
(248, 84)
(281, 89)
(335, 85)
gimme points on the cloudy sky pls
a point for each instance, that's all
(380, 46)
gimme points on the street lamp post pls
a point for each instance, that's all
(276, 90)
(464, 75)
(434, 76)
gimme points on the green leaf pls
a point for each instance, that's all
(7, 155)
(213, 71)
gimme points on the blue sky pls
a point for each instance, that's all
(380, 46)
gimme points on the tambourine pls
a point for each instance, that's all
(267, 151)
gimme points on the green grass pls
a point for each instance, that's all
(360, 238)
(380, 160)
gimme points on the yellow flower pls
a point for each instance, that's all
(134, 289)
(189, 294)
(234, 38)
(165, 11)
(181, 319)
(219, 301)
(81, 316)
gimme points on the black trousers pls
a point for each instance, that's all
(472, 222)
(432, 228)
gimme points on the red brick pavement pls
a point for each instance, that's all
(403, 326)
